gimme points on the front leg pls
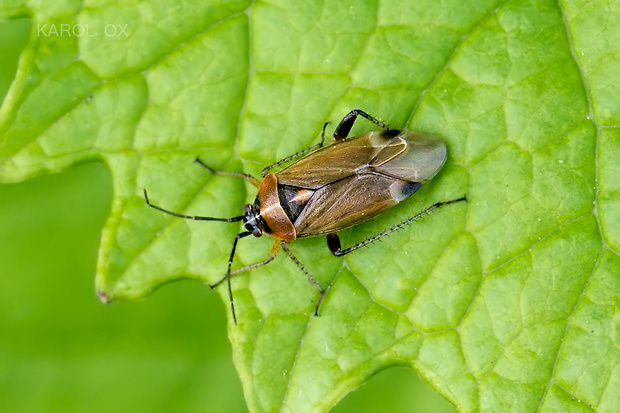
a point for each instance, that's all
(247, 177)
(275, 248)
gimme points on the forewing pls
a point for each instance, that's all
(406, 155)
(333, 163)
(350, 201)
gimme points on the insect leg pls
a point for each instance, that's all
(298, 154)
(247, 177)
(275, 248)
(230, 260)
(345, 125)
(310, 277)
(333, 241)
(195, 217)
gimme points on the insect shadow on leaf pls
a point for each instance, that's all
(330, 188)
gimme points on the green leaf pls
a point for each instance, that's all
(506, 302)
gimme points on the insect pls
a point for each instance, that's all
(331, 188)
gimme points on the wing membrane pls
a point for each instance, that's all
(337, 161)
(357, 179)
(345, 203)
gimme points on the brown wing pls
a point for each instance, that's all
(340, 160)
(405, 155)
(350, 201)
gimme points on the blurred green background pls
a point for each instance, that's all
(61, 350)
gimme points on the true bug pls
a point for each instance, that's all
(332, 188)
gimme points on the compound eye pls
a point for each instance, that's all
(247, 208)
(257, 232)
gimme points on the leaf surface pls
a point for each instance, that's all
(506, 302)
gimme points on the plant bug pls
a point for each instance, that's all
(332, 188)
